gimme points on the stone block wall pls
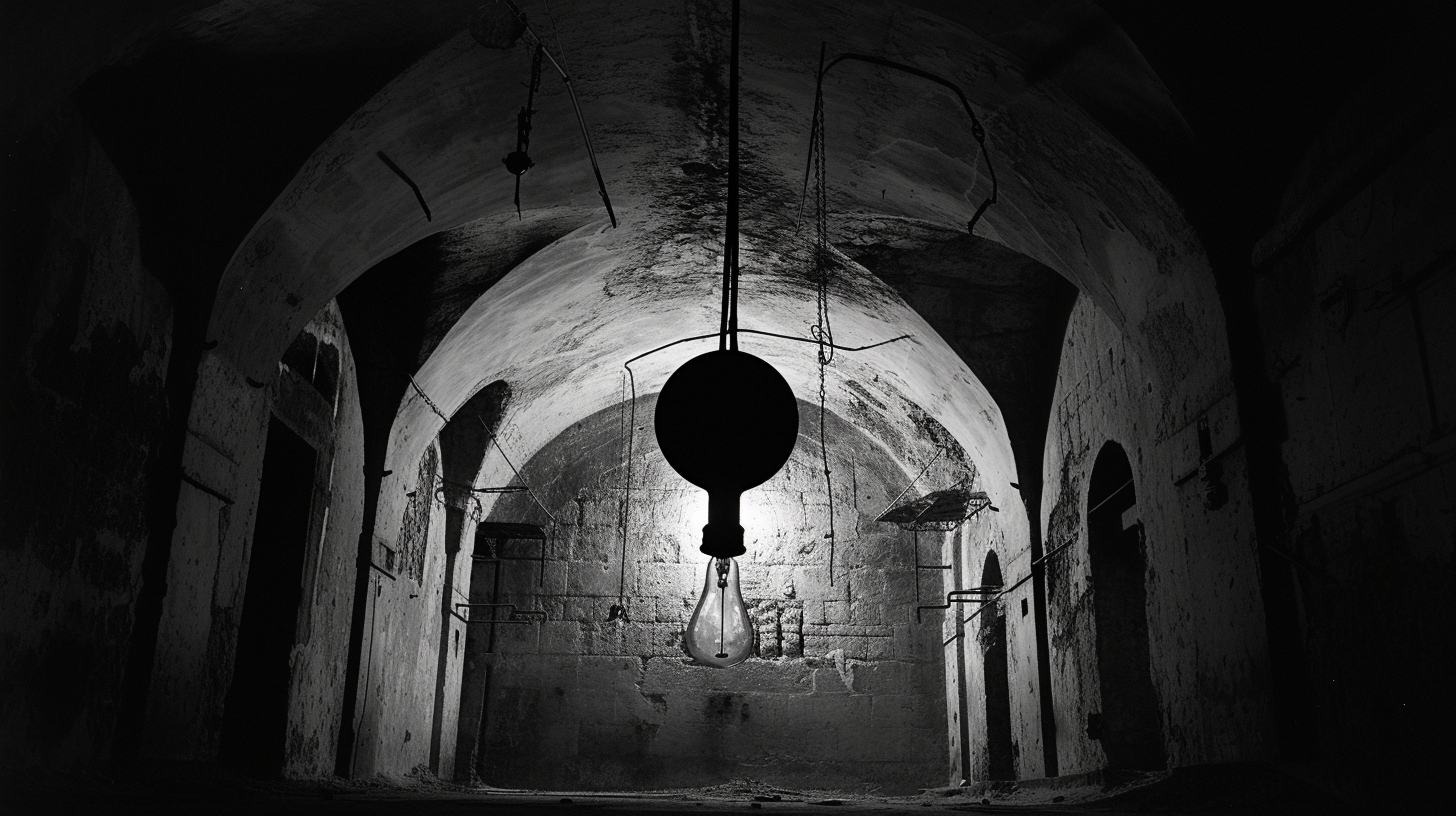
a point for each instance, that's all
(1206, 630)
(844, 689)
(316, 396)
(86, 342)
(1356, 315)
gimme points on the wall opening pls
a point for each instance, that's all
(1000, 763)
(959, 702)
(1130, 724)
(255, 714)
(463, 445)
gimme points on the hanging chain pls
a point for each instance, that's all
(630, 435)
(428, 401)
(821, 331)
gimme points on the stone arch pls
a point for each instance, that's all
(254, 729)
(1000, 758)
(1080, 203)
(1102, 221)
(463, 443)
(1130, 724)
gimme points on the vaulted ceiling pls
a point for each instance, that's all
(275, 149)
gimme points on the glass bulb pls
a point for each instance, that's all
(720, 633)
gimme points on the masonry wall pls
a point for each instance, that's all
(1206, 626)
(845, 690)
(320, 651)
(81, 402)
(317, 398)
(1356, 315)
(400, 671)
(967, 548)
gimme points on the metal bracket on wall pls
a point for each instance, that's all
(1003, 591)
(941, 511)
(382, 571)
(955, 597)
(919, 567)
(512, 615)
(197, 483)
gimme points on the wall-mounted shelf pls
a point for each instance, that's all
(940, 511)
(943, 510)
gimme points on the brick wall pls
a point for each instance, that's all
(844, 689)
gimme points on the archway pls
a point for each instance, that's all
(255, 713)
(600, 695)
(572, 296)
(1000, 763)
(1129, 725)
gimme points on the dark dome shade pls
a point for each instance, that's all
(726, 420)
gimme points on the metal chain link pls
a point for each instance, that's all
(821, 331)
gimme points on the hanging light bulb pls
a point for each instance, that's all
(720, 633)
(726, 421)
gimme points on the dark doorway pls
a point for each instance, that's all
(961, 715)
(1000, 764)
(255, 715)
(1130, 725)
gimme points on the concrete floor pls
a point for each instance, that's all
(1231, 789)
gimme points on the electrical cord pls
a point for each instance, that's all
(823, 331)
(494, 438)
(816, 136)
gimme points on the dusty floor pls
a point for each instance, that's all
(1235, 789)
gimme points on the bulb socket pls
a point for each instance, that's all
(723, 535)
(722, 540)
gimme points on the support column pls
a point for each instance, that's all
(1031, 500)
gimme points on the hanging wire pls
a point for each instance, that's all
(494, 438)
(940, 451)
(728, 318)
(816, 132)
(631, 432)
(560, 49)
(822, 331)
(816, 166)
(502, 448)
(682, 340)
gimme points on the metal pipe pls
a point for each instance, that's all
(382, 571)
(575, 106)
(977, 130)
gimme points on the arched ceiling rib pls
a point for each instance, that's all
(650, 77)
(1071, 196)
(559, 327)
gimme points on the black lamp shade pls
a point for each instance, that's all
(726, 421)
